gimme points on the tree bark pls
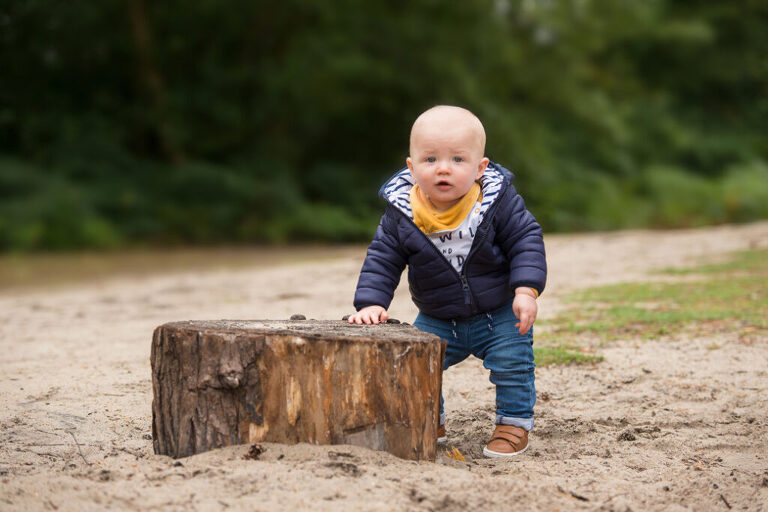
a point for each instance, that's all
(226, 382)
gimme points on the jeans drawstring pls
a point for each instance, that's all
(490, 321)
(455, 336)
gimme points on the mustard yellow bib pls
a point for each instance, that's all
(431, 220)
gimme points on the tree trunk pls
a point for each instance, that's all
(151, 80)
(227, 382)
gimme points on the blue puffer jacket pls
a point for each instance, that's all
(507, 252)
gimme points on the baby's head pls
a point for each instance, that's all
(447, 153)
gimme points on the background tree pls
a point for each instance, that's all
(134, 122)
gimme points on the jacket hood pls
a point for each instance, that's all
(397, 190)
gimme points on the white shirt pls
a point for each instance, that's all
(454, 244)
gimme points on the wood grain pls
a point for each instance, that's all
(219, 383)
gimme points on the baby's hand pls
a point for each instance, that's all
(525, 308)
(369, 315)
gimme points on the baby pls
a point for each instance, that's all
(476, 263)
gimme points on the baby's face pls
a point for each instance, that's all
(446, 159)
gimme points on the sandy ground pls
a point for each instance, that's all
(660, 425)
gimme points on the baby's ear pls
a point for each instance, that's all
(481, 167)
(409, 163)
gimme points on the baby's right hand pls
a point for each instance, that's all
(369, 315)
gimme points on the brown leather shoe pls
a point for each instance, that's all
(441, 435)
(506, 441)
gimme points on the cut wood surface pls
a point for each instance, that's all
(225, 382)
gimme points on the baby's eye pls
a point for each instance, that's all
(431, 159)
(457, 159)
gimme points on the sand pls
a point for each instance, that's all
(659, 425)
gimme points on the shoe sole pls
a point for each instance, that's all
(498, 455)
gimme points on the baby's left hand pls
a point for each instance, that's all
(525, 308)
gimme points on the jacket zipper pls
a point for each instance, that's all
(465, 287)
(468, 299)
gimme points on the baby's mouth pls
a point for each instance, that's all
(442, 185)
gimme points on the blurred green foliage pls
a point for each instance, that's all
(134, 122)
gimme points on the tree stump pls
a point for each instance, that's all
(219, 383)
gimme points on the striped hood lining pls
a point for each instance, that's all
(397, 191)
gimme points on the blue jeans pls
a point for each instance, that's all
(493, 338)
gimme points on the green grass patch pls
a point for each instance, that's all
(546, 356)
(729, 297)
(746, 261)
